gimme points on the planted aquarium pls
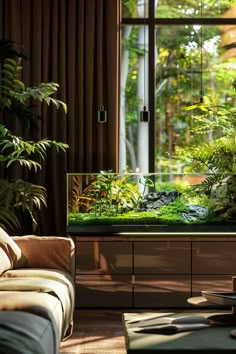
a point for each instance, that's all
(108, 202)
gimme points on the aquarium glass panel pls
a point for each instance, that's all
(109, 202)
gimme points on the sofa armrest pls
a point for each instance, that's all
(49, 252)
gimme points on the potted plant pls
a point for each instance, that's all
(16, 101)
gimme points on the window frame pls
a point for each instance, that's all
(151, 21)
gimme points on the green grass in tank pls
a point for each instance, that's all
(170, 214)
(143, 218)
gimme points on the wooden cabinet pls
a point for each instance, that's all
(162, 271)
(104, 273)
(213, 265)
(144, 272)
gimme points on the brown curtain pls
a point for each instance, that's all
(75, 43)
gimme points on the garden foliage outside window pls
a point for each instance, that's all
(178, 59)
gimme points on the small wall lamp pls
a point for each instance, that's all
(102, 115)
(145, 115)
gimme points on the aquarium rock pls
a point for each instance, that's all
(156, 200)
(194, 213)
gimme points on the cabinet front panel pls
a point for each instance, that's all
(162, 290)
(213, 257)
(167, 257)
(211, 283)
(103, 291)
(104, 257)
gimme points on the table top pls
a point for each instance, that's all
(214, 339)
(220, 297)
(213, 298)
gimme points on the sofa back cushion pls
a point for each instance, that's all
(11, 255)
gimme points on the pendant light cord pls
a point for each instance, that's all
(144, 71)
(201, 59)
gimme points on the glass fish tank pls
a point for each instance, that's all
(116, 203)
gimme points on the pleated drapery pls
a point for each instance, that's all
(75, 43)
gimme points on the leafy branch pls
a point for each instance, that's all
(218, 155)
(15, 149)
(19, 195)
(16, 98)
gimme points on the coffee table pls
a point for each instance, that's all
(214, 339)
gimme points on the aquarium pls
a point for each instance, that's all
(115, 203)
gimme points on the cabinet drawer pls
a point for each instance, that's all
(211, 283)
(162, 291)
(104, 291)
(108, 257)
(162, 257)
(213, 257)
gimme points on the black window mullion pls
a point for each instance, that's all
(179, 21)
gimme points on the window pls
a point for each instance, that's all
(175, 54)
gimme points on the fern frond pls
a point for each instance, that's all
(15, 149)
(211, 181)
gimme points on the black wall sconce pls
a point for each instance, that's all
(102, 115)
(145, 115)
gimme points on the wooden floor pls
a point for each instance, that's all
(96, 332)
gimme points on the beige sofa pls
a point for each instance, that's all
(37, 287)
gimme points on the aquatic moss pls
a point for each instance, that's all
(132, 218)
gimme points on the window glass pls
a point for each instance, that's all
(178, 9)
(193, 64)
(134, 8)
(190, 64)
(134, 96)
(193, 9)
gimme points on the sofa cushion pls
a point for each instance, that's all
(11, 255)
(49, 252)
(51, 274)
(26, 333)
(48, 286)
(38, 303)
(57, 275)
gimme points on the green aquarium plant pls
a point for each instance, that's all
(108, 194)
(112, 198)
(147, 182)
